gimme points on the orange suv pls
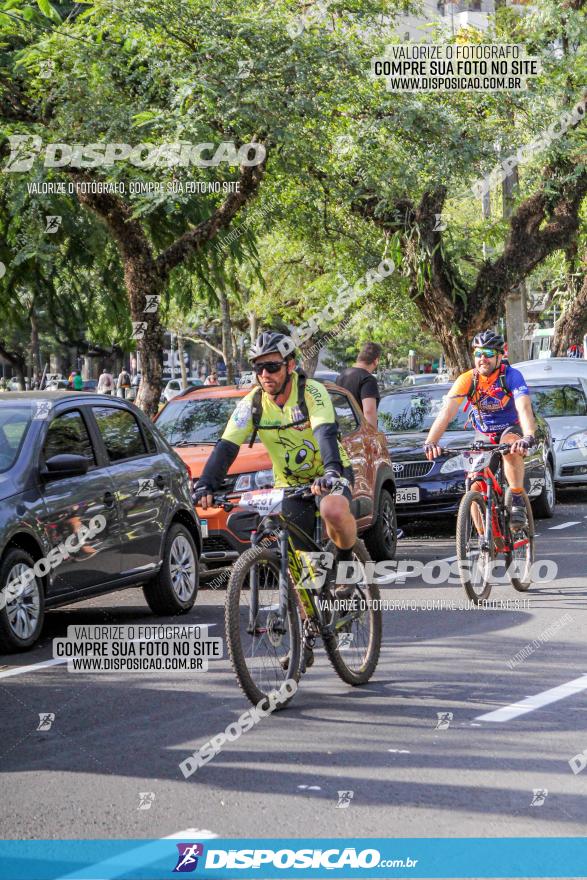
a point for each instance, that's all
(195, 419)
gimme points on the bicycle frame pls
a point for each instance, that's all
(493, 491)
(286, 534)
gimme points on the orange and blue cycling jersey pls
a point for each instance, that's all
(493, 406)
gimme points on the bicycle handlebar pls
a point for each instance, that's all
(222, 500)
(479, 446)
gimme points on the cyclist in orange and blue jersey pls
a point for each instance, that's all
(501, 413)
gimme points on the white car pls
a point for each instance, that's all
(559, 393)
(174, 386)
(420, 379)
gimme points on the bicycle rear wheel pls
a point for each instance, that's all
(475, 562)
(519, 561)
(354, 648)
(268, 653)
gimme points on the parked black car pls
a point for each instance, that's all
(68, 458)
(434, 488)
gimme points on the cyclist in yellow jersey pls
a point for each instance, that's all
(304, 448)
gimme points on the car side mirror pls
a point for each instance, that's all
(60, 466)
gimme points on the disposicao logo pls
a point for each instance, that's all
(187, 859)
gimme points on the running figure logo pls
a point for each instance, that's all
(146, 799)
(344, 798)
(46, 720)
(187, 859)
(444, 719)
(539, 796)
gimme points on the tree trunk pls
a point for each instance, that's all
(227, 347)
(181, 356)
(309, 357)
(142, 281)
(253, 326)
(572, 325)
(35, 347)
(145, 275)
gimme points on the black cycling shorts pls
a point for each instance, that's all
(302, 511)
(497, 436)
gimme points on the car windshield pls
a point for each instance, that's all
(14, 423)
(196, 421)
(566, 399)
(415, 411)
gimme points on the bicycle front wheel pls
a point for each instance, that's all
(354, 648)
(520, 560)
(475, 551)
(265, 651)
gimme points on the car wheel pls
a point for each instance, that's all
(543, 506)
(174, 589)
(22, 611)
(381, 539)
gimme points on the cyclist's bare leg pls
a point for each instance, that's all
(513, 465)
(477, 515)
(340, 524)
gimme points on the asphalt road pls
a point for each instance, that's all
(108, 765)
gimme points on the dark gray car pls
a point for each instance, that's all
(72, 462)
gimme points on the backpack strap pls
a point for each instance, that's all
(257, 411)
(502, 381)
(473, 396)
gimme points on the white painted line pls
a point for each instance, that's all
(530, 704)
(20, 670)
(311, 787)
(142, 855)
(566, 525)
(191, 833)
(44, 664)
(400, 751)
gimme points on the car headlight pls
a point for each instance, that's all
(576, 441)
(256, 480)
(453, 464)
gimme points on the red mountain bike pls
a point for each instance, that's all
(484, 531)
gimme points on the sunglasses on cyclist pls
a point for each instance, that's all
(488, 352)
(270, 366)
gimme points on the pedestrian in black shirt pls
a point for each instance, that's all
(361, 382)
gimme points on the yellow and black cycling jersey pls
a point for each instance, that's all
(300, 453)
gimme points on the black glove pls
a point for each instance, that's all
(528, 441)
(199, 491)
(327, 481)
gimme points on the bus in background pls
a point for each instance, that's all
(541, 345)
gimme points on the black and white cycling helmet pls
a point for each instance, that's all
(270, 342)
(489, 339)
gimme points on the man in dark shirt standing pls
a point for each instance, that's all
(361, 382)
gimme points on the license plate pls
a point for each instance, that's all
(407, 496)
(204, 527)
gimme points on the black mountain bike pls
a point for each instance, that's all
(280, 598)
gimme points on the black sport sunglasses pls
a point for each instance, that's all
(270, 366)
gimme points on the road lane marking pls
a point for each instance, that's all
(44, 664)
(565, 525)
(138, 857)
(20, 670)
(530, 704)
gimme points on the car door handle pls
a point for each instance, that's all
(160, 481)
(109, 499)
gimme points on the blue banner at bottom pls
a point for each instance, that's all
(256, 859)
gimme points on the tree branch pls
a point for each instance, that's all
(191, 242)
(204, 342)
